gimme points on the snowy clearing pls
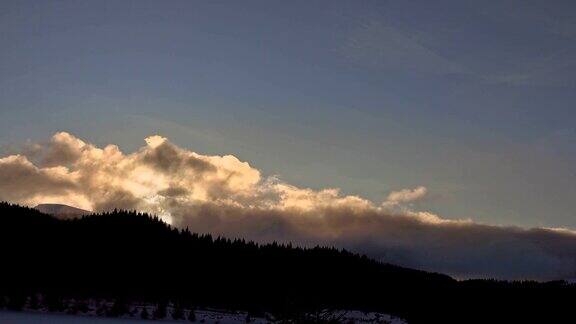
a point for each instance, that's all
(202, 316)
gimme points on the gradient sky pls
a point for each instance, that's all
(472, 99)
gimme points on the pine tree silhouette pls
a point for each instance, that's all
(33, 302)
(16, 302)
(192, 316)
(178, 312)
(119, 308)
(144, 313)
(102, 309)
(82, 306)
(54, 303)
(160, 312)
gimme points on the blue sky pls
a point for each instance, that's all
(472, 99)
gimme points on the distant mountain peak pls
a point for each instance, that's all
(62, 210)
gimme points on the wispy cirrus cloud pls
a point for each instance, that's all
(378, 44)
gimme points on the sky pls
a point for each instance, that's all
(470, 100)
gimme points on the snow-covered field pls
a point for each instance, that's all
(94, 311)
(208, 317)
(361, 317)
(47, 318)
(43, 318)
(202, 316)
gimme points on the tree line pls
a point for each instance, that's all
(136, 257)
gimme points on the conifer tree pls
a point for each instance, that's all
(178, 312)
(82, 306)
(144, 313)
(33, 302)
(192, 316)
(160, 311)
(119, 308)
(16, 302)
(54, 303)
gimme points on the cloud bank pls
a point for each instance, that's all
(225, 196)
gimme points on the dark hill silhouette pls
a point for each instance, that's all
(137, 257)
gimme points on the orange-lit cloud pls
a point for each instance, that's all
(225, 196)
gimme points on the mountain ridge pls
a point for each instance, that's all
(61, 210)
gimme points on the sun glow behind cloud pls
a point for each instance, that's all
(225, 196)
(161, 175)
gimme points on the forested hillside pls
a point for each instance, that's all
(137, 257)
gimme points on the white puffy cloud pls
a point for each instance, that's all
(405, 196)
(225, 196)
